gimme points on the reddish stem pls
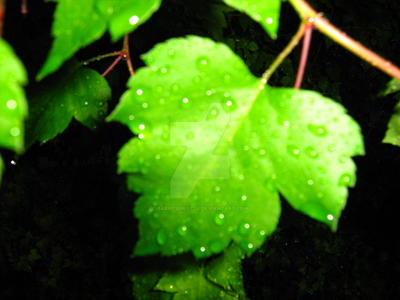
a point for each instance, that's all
(24, 7)
(112, 65)
(304, 52)
(2, 13)
(127, 55)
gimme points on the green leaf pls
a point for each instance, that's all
(143, 286)
(13, 106)
(392, 135)
(217, 279)
(79, 23)
(264, 12)
(393, 86)
(77, 92)
(126, 15)
(214, 146)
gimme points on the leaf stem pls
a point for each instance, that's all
(24, 7)
(114, 63)
(127, 55)
(304, 52)
(2, 13)
(281, 57)
(324, 26)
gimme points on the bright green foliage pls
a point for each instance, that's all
(80, 92)
(214, 146)
(392, 135)
(13, 106)
(79, 23)
(264, 12)
(221, 278)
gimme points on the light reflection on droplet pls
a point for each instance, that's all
(269, 20)
(330, 217)
(134, 20)
(11, 104)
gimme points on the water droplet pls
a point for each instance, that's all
(293, 150)
(343, 158)
(164, 70)
(161, 237)
(185, 102)
(244, 228)
(250, 245)
(139, 92)
(131, 117)
(269, 20)
(330, 217)
(170, 286)
(15, 131)
(213, 113)
(134, 20)
(202, 63)
(317, 130)
(346, 179)
(244, 197)
(219, 219)
(227, 78)
(145, 105)
(311, 152)
(171, 52)
(182, 230)
(310, 182)
(86, 103)
(13, 162)
(262, 152)
(202, 249)
(11, 104)
(175, 87)
(229, 104)
(262, 234)
(217, 188)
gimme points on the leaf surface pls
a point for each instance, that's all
(13, 106)
(264, 12)
(392, 135)
(221, 278)
(78, 92)
(214, 147)
(79, 23)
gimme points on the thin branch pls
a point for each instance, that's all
(100, 57)
(24, 7)
(304, 53)
(127, 55)
(281, 57)
(112, 66)
(323, 25)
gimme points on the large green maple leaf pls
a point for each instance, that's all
(79, 23)
(77, 92)
(215, 146)
(13, 106)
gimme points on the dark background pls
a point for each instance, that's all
(66, 224)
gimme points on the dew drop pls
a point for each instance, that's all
(310, 182)
(15, 131)
(227, 78)
(219, 219)
(11, 104)
(139, 92)
(185, 103)
(134, 20)
(202, 63)
(229, 104)
(161, 237)
(164, 70)
(330, 217)
(213, 113)
(244, 197)
(171, 52)
(293, 150)
(86, 103)
(250, 245)
(244, 228)
(269, 20)
(311, 152)
(131, 117)
(182, 230)
(145, 105)
(317, 130)
(262, 152)
(217, 188)
(13, 162)
(203, 249)
(346, 179)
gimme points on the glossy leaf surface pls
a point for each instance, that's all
(264, 12)
(80, 93)
(214, 147)
(13, 106)
(79, 23)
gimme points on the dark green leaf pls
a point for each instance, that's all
(392, 135)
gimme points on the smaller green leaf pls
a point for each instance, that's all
(76, 24)
(392, 135)
(264, 12)
(393, 86)
(79, 92)
(143, 286)
(221, 278)
(126, 15)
